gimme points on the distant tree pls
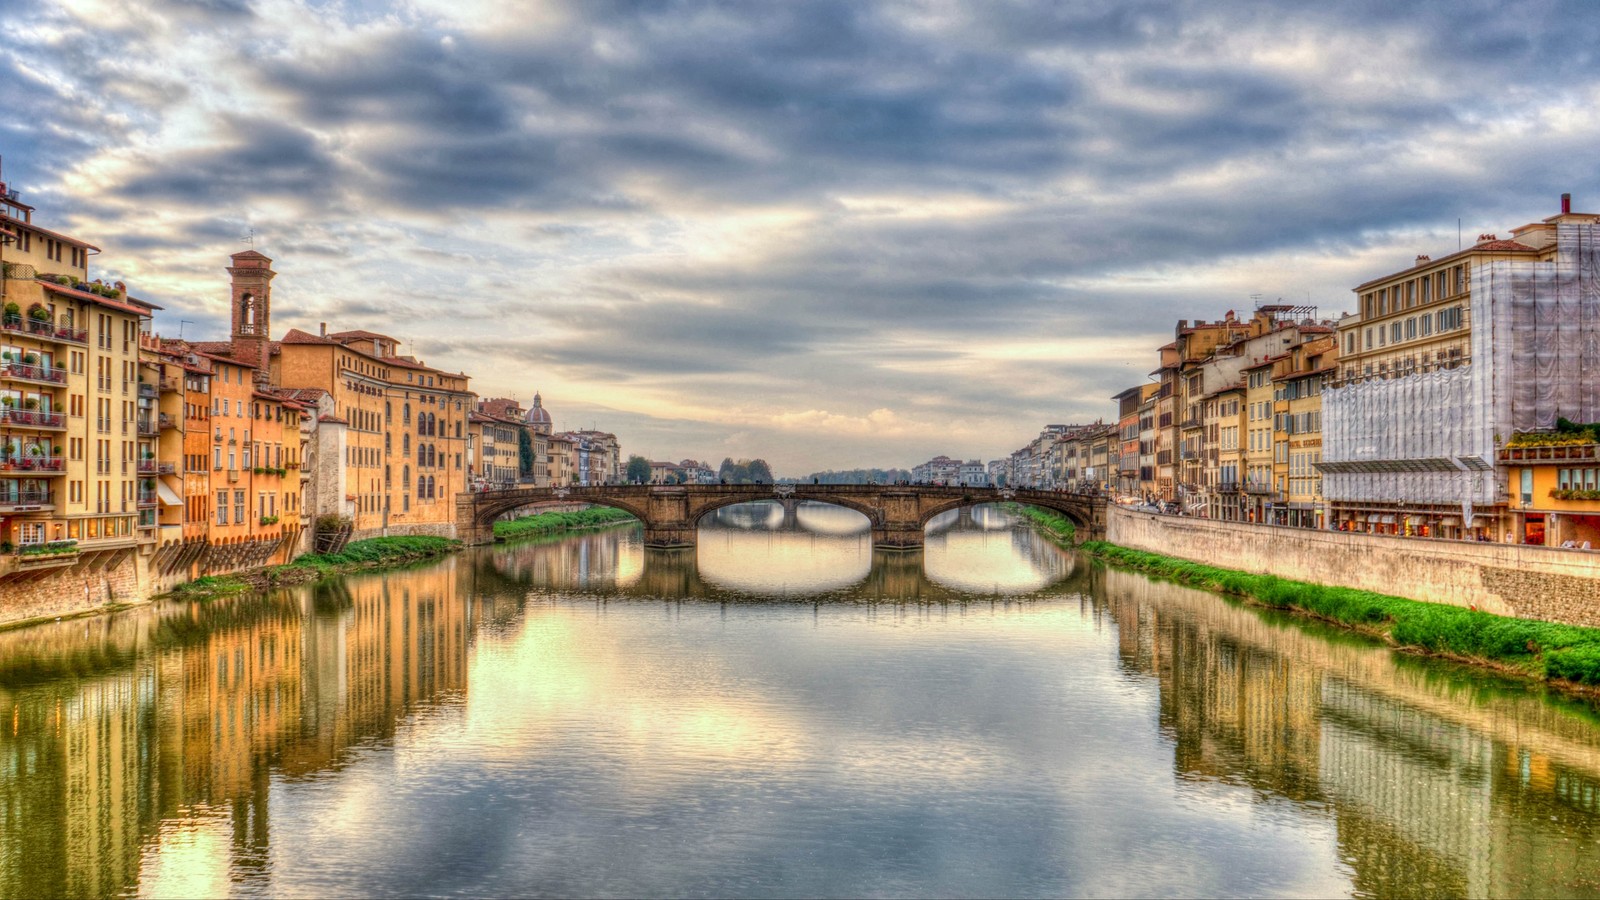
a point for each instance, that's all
(638, 470)
(759, 471)
(726, 471)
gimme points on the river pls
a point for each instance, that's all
(779, 712)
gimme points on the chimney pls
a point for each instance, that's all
(324, 328)
(1422, 258)
(1566, 204)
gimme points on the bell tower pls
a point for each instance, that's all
(252, 310)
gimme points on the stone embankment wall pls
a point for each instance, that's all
(1509, 579)
(87, 585)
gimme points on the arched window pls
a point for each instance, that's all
(405, 444)
(405, 413)
(387, 441)
(430, 487)
(422, 487)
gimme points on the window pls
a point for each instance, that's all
(222, 507)
(1411, 328)
(1369, 338)
(238, 506)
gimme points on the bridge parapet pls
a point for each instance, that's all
(671, 514)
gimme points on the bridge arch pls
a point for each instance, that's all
(898, 514)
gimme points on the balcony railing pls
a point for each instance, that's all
(1191, 422)
(42, 330)
(1228, 487)
(25, 464)
(166, 420)
(32, 418)
(1255, 487)
(171, 383)
(147, 426)
(166, 468)
(11, 500)
(1559, 453)
(30, 372)
(146, 389)
(147, 498)
(147, 467)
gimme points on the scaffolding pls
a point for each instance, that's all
(1430, 437)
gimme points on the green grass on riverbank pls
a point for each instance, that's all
(1058, 526)
(1539, 649)
(372, 553)
(553, 522)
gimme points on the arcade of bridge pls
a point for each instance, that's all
(671, 514)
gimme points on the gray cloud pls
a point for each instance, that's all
(823, 208)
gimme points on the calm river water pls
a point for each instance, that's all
(779, 713)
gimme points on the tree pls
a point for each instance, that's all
(728, 471)
(638, 470)
(759, 471)
(524, 452)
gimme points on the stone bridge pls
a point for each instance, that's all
(671, 514)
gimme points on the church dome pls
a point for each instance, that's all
(538, 415)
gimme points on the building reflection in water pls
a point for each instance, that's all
(182, 712)
(138, 751)
(1431, 776)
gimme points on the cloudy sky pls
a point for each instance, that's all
(827, 233)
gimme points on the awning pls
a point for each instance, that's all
(1386, 519)
(168, 495)
(1450, 521)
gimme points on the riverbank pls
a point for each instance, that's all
(556, 522)
(357, 556)
(1542, 650)
(1060, 528)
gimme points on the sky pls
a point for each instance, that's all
(828, 234)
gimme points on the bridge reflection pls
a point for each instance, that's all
(804, 551)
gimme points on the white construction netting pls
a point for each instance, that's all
(1430, 437)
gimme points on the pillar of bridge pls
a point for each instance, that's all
(669, 536)
(897, 536)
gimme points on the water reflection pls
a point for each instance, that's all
(581, 716)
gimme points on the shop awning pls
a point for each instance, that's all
(168, 495)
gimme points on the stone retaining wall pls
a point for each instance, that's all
(1510, 579)
(92, 583)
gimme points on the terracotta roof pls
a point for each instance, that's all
(360, 335)
(47, 232)
(305, 395)
(220, 357)
(1503, 245)
(296, 336)
(332, 420)
(137, 307)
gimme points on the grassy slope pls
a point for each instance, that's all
(1539, 649)
(553, 522)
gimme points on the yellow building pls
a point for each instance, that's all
(71, 429)
(1554, 484)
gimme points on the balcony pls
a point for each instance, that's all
(1191, 422)
(38, 374)
(146, 389)
(233, 476)
(26, 465)
(1258, 488)
(28, 500)
(148, 467)
(166, 468)
(147, 427)
(1228, 487)
(32, 418)
(165, 421)
(1551, 453)
(42, 330)
(35, 556)
(170, 384)
(147, 498)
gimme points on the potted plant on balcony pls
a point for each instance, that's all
(39, 314)
(12, 315)
(30, 403)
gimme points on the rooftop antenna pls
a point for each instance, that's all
(181, 323)
(249, 238)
